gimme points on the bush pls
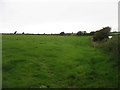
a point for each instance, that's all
(79, 33)
(113, 46)
(92, 33)
(101, 34)
(23, 33)
(15, 32)
(62, 33)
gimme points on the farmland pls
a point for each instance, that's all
(36, 61)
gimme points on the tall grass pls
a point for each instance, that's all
(113, 47)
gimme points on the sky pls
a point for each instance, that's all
(55, 16)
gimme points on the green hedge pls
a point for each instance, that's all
(113, 46)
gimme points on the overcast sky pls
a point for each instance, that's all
(55, 16)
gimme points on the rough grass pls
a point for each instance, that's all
(34, 61)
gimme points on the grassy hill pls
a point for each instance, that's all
(36, 61)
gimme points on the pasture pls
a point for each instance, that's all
(40, 61)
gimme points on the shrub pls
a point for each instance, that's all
(23, 33)
(101, 34)
(113, 46)
(15, 32)
(92, 33)
(79, 33)
(62, 33)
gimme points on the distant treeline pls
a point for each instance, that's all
(79, 33)
(61, 34)
(26, 34)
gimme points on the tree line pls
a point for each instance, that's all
(79, 33)
(97, 35)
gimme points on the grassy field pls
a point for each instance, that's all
(117, 33)
(36, 61)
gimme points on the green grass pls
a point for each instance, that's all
(34, 61)
(117, 33)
